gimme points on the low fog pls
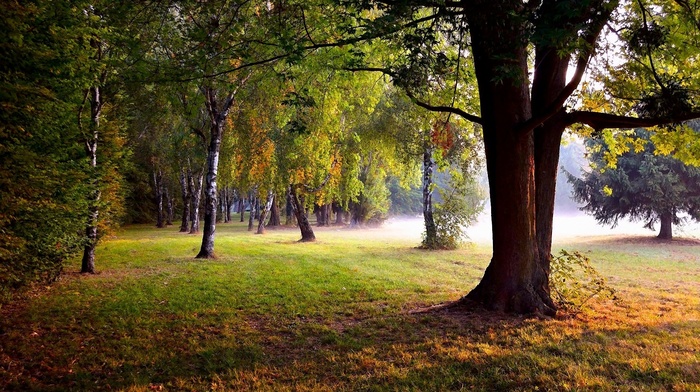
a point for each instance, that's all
(566, 226)
(569, 221)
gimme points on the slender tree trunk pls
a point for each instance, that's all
(196, 184)
(289, 210)
(274, 214)
(356, 213)
(220, 207)
(430, 240)
(318, 211)
(511, 281)
(88, 261)
(307, 232)
(265, 211)
(666, 231)
(170, 207)
(186, 201)
(251, 215)
(158, 189)
(257, 207)
(210, 195)
(229, 203)
(327, 214)
(241, 208)
(224, 204)
(338, 214)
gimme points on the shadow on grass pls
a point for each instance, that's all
(447, 349)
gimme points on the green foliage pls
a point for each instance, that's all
(643, 185)
(574, 281)
(42, 167)
(405, 199)
(462, 200)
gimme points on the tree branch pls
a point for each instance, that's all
(581, 64)
(433, 108)
(600, 121)
(445, 109)
(362, 38)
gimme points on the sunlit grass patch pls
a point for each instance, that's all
(345, 313)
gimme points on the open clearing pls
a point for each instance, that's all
(272, 314)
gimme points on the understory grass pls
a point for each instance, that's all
(349, 312)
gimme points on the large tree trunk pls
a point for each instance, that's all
(512, 281)
(186, 201)
(265, 211)
(666, 231)
(430, 239)
(548, 83)
(307, 232)
(88, 261)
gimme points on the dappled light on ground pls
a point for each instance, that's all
(354, 311)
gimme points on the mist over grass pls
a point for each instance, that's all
(567, 225)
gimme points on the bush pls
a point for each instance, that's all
(574, 281)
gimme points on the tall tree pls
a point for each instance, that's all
(105, 61)
(642, 185)
(522, 121)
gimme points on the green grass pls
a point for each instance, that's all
(272, 314)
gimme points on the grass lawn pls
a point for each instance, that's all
(344, 313)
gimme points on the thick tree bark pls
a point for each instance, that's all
(186, 201)
(307, 232)
(666, 230)
(265, 212)
(430, 229)
(548, 83)
(512, 280)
